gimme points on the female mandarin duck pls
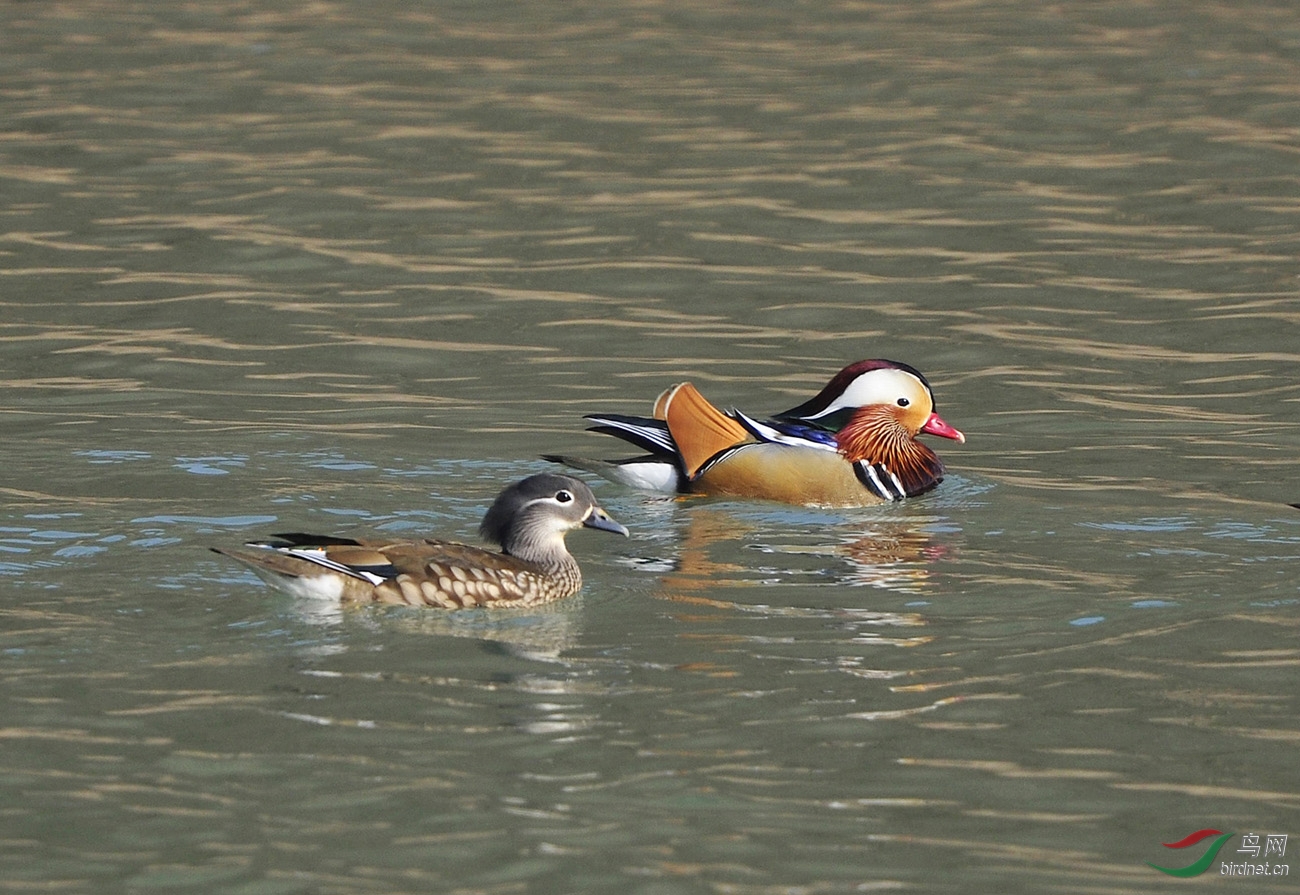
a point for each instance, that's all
(853, 444)
(529, 520)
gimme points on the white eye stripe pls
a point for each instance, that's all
(877, 387)
(552, 500)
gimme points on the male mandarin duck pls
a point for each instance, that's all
(528, 520)
(853, 444)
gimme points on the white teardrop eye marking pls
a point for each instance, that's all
(563, 497)
(881, 386)
(903, 402)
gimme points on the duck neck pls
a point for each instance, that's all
(544, 549)
(874, 435)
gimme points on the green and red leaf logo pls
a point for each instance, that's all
(1201, 864)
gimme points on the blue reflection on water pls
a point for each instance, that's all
(1088, 620)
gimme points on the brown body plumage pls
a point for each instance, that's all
(528, 519)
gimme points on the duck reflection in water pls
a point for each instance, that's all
(882, 554)
(894, 556)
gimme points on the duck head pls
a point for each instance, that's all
(531, 517)
(894, 392)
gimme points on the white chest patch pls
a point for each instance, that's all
(317, 587)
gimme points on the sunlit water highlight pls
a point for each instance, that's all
(351, 268)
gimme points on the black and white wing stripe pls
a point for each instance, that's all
(649, 434)
(879, 480)
(317, 556)
(769, 433)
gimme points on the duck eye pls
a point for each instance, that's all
(903, 402)
(563, 497)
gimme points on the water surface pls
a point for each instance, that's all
(352, 267)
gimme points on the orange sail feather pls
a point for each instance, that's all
(699, 429)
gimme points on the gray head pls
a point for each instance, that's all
(530, 518)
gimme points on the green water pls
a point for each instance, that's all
(352, 267)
